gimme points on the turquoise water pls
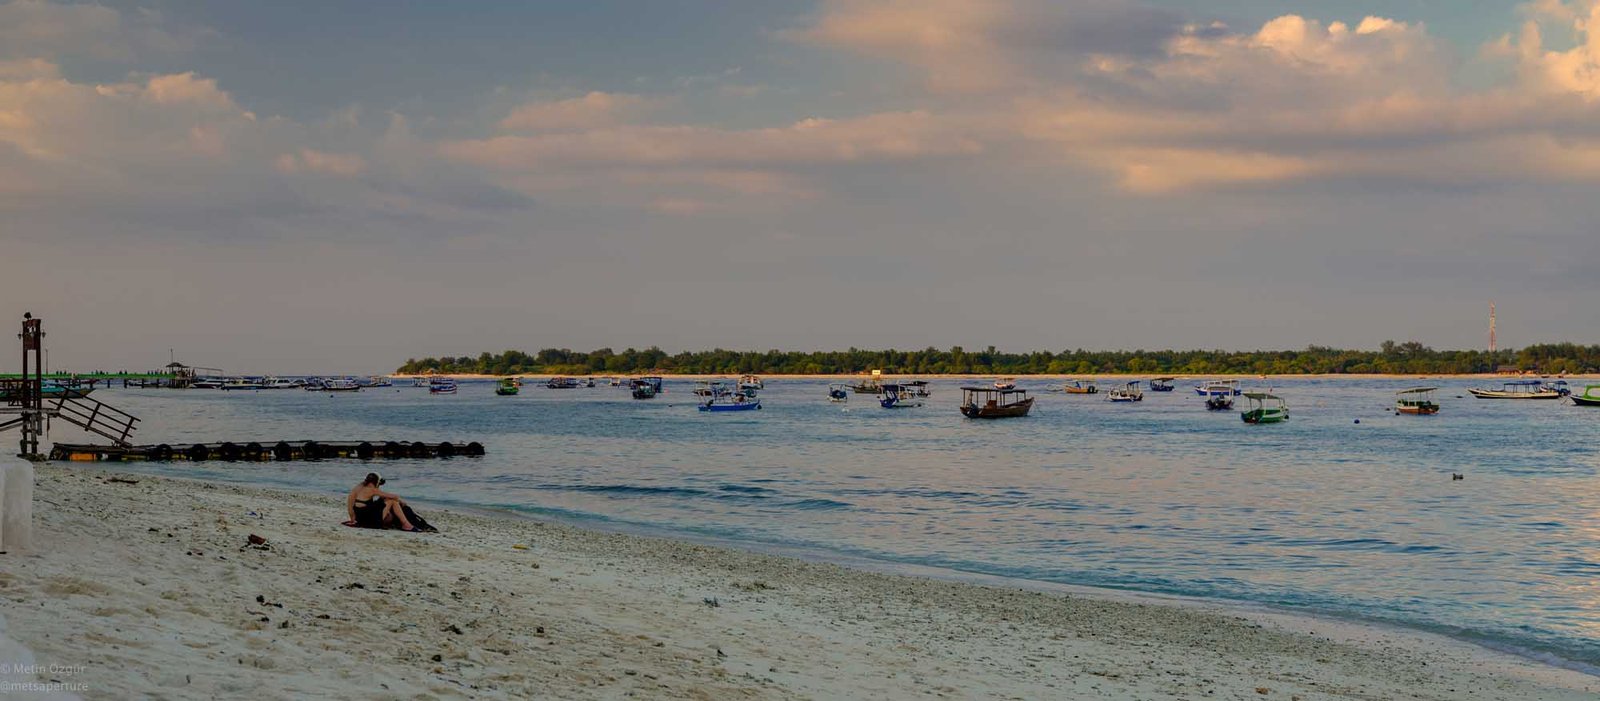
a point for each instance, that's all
(1320, 513)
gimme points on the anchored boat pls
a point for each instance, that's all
(441, 385)
(1517, 389)
(900, 396)
(991, 403)
(838, 392)
(751, 382)
(1265, 408)
(736, 402)
(1162, 384)
(1417, 401)
(1590, 396)
(1126, 393)
(1214, 387)
(1080, 387)
(645, 387)
(507, 387)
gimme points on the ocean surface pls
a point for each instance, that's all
(1345, 510)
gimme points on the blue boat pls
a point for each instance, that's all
(737, 402)
(838, 392)
(902, 396)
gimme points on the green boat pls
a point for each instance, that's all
(1264, 409)
(1590, 396)
(507, 387)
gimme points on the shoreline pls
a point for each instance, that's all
(991, 376)
(633, 612)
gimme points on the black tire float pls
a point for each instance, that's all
(446, 449)
(393, 450)
(420, 450)
(475, 449)
(228, 452)
(311, 450)
(282, 451)
(364, 451)
(161, 452)
(254, 451)
(198, 453)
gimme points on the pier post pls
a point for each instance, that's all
(16, 505)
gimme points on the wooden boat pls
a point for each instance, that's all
(342, 385)
(898, 396)
(1417, 401)
(645, 387)
(1162, 384)
(839, 392)
(1080, 387)
(507, 387)
(376, 381)
(1214, 387)
(751, 382)
(991, 403)
(1265, 408)
(1219, 402)
(736, 402)
(441, 385)
(917, 388)
(1126, 393)
(561, 383)
(1559, 387)
(871, 385)
(1006, 383)
(1517, 389)
(1590, 396)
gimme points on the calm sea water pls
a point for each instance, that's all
(1320, 513)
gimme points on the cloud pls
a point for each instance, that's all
(314, 161)
(592, 111)
(39, 29)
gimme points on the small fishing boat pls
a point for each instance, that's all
(1215, 387)
(238, 383)
(646, 387)
(735, 402)
(1265, 408)
(751, 382)
(282, 383)
(1219, 402)
(1080, 387)
(871, 385)
(588, 382)
(838, 392)
(561, 383)
(507, 387)
(616, 382)
(207, 383)
(1162, 384)
(340, 385)
(1559, 387)
(1126, 393)
(898, 396)
(1590, 396)
(1517, 389)
(991, 403)
(918, 388)
(1006, 383)
(1417, 401)
(419, 381)
(376, 381)
(441, 385)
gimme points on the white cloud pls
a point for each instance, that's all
(592, 111)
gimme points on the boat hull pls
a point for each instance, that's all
(1499, 394)
(747, 406)
(1264, 416)
(1584, 401)
(998, 412)
(1081, 390)
(1418, 409)
(1219, 403)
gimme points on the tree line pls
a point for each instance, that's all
(1392, 358)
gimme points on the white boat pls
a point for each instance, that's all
(441, 385)
(711, 388)
(207, 383)
(240, 383)
(1518, 389)
(282, 383)
(1126, 393)
(900, 396)
(749, 382)
(1212, 388)
(341, 385)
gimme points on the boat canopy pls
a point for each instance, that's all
(1418, 390)
(1258, 396)
(1163, 379)
(994, 390)
(1524, 383)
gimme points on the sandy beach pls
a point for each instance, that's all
(150, 590)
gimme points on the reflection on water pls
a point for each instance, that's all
(1320, 512)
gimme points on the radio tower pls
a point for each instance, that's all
(1491, 327)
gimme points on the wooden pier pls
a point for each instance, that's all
(253, 451)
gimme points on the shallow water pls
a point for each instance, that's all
(1320, 513)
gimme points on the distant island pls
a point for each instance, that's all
(1409, 358)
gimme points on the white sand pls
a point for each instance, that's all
(144, 590)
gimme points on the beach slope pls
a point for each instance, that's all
(150, 589)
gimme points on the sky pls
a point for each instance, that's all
(308, 187)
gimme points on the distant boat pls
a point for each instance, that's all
(1590, 396)
(751, 382)
(1162, 384)
(561, 383)
(710, 388)
(616, 382)
(838, 392)
(282, 383)
(375, 381)
(646, 387)
(507, 387)
(208, 383)
(867, 386)
(341, 385)
(1080, 387)
(1559, 387)
(419, 381)
(1126, 393)
(991, 403)
(1416, 401)
(734, 402)
(240, 383)
(588, 382)
(898, 396)
(1219, 402)
(1517, 389)
(441, 385)
(1006, 383)
(1265, 408)
(1215, 387)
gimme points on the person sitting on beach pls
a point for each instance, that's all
(370, 507)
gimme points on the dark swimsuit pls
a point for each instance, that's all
(369, 513)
